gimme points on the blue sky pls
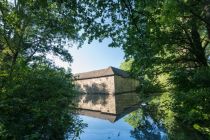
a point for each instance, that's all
(94, 56)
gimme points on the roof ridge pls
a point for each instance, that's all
(110, 67)
(102, 72)
(114, 69)
(90, 71)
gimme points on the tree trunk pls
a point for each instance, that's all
(199, 51)
(207, 16)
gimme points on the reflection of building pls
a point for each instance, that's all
(105, 103)
(110, 80)
(109, 91)
(107, 116)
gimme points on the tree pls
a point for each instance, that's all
(158, 35)
(162, 36)
(126, 65)
(36, 98)
(31, 29)
(38, 104)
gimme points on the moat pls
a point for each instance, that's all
(112, 110)
(133, 123)
(122, 126)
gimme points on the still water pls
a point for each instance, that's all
(117, 117)
(123, 117)
(127, 127)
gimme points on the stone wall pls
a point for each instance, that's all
(96, 85)
(125, 84)
(111, 94)
(110, 85)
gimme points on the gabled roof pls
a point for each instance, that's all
(110, 71)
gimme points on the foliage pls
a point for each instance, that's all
(161, 109)
(161, 37)
(150, 32)
(192, 98)
(144, 127)
(146, 85)
(204, 130)
(126, 65)
(36, 97)
(191, 79)
(37, 104)
(31, 29)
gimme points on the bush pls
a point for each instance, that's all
(148, 86)
(37, 104)
(192, 98)
(191, 79)
(201, 78)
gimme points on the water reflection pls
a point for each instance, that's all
(120, 116)
(145, 127)
(104, 116)
(117, 117)
(132, 126)
(107, 103)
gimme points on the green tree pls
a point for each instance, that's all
(31, 29)
(37, 103)
(158, 35)
(126, 65)
(36, 98)
(161, 36)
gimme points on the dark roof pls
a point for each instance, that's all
(101, 73)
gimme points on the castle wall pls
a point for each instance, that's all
(96, 85)
(125, 84)
(111, 94)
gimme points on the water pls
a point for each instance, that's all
(122, 117)
(117, 117)
(120, 127)
(99, 129)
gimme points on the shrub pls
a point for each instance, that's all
(37, 104)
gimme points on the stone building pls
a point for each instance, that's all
(109, 90)
(110, 80)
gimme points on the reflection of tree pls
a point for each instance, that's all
(144, 126)
(94, 93)
(93, 88)
(94, 98)
(96, 88)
